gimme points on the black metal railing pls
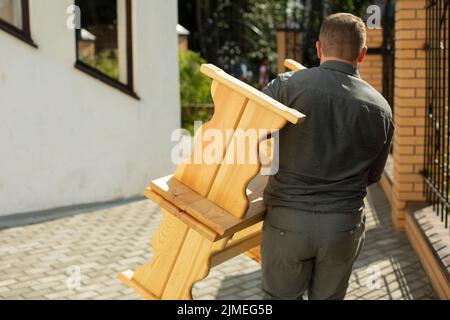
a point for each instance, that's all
(437, 126)
(388, 52)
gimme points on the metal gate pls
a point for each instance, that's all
(388, 52)
(436, 171)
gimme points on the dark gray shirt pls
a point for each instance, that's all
(327, 162)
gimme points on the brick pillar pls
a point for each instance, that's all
(371, 68)
(409, 106)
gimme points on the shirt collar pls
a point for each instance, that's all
(341, 67)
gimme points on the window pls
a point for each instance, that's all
(104, 42)
(15, 19)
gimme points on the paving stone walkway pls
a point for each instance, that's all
(42, 261)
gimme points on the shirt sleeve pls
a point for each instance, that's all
(377, 168)
(273, 89)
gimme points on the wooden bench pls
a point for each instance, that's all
(212, 211)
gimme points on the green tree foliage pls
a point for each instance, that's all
(195, 87)
(357, 7)
(315, 12)
(227, 32)
(106, 62)
(195, 90)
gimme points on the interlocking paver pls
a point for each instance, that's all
(105, 242)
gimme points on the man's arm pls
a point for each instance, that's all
(274, 89)
(377, 168)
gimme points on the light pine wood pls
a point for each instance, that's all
(254, 254)
(193, 264)
(200, 213)
(229, 106)
(127, 277)
(212, 212)
(229, 188)
(167, 244)
(242, 241)
(251, 93)
(184, 217)
(200, 208)
(293, 65)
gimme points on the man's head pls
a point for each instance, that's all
(342, 37)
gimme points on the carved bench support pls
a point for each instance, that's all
(210, 212)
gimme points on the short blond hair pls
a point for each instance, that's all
(343, 35)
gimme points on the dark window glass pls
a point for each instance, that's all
(104, 46)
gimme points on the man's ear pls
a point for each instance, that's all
(362, 55)
(319, 50)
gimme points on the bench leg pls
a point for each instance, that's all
(150, 280)
(193, 264)
(182, 257)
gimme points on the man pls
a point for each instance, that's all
(314, 228)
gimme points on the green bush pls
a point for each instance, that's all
(195, 90)
(192, 114)
(106, 62)
(195, 87)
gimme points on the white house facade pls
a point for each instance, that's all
(82, 120)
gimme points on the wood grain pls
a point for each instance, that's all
(293, 65)
(202, 214)
(228, 108)
(166, 244)
(251, 93)
(229, 188)
(212, 211)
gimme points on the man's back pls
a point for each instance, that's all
(327, 162)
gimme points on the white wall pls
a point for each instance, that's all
(67, 138)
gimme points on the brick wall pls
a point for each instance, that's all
(372, 67)
(409, 106)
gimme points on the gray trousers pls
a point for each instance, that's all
(313, 253)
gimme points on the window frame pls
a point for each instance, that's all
(23, 33)
(127, 88)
